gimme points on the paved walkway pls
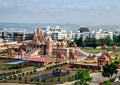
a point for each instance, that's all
(97, 78)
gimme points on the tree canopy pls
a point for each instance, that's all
(82, 77)
(110, 69)
(93, 42)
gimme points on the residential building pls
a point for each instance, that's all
(56, 33)
(76, 34)
(12, 35)
(103, 34)
(85, 32)
(70, 36)
(82, 32)
(28, 36)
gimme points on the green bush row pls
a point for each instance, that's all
(57, 65)
(10, 73)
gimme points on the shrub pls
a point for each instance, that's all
(4, 73)
(19, 74)
(31, 72)
(58, 79)
(20, 78)
(107, 82)
(7, 73)
(10, 77)
(52, 79)
(5, 77)
(69, 78)
(47, 68)
(31, 80)
(23, 74)
(34, 70)
(73, 77)
(10, 72)
(17, 71)
(14, 78)
(27, 73)
(13, 72)
(25, 80)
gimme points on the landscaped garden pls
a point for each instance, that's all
(26, 73)
(33, 73)
(115, 54)
(3, 53)
(93, 51)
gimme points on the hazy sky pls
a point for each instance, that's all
(85, 12)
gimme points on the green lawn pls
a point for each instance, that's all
(99, 50)
(93, 51)
(115, 54)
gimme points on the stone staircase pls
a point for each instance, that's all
(79, 52)
(32, 53)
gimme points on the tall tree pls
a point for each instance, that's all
(82, 77)
(118, 40)
(75, 40)
(80, 42)
(110, 69)
(87, 41)
(115, 38)
(90, 42)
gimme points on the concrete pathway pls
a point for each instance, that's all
(97, 78)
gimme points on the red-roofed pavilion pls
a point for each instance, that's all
(105, 58)
(39, 60)
(59, 57)
(11, 52)
(114, 48)
(72, 58)
(105, 46)
(21, 53)
(74, 45)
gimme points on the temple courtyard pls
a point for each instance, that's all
(44, 61)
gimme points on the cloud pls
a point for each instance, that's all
(73, 11)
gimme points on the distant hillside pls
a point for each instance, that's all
(31, 26)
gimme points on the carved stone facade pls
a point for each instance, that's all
(114, 48)
(104, 59)
(73, 58)
(45, 45)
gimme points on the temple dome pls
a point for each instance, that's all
(11, 50)
(60, 55)
(74, 44)
(38, 37)
(48, 39)
(73, 56)
(63, 43)
(115, 47)
(104, 57)
(23, 46)
(21, 51)
(104, 46)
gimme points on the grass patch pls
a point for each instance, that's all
(115, 54)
